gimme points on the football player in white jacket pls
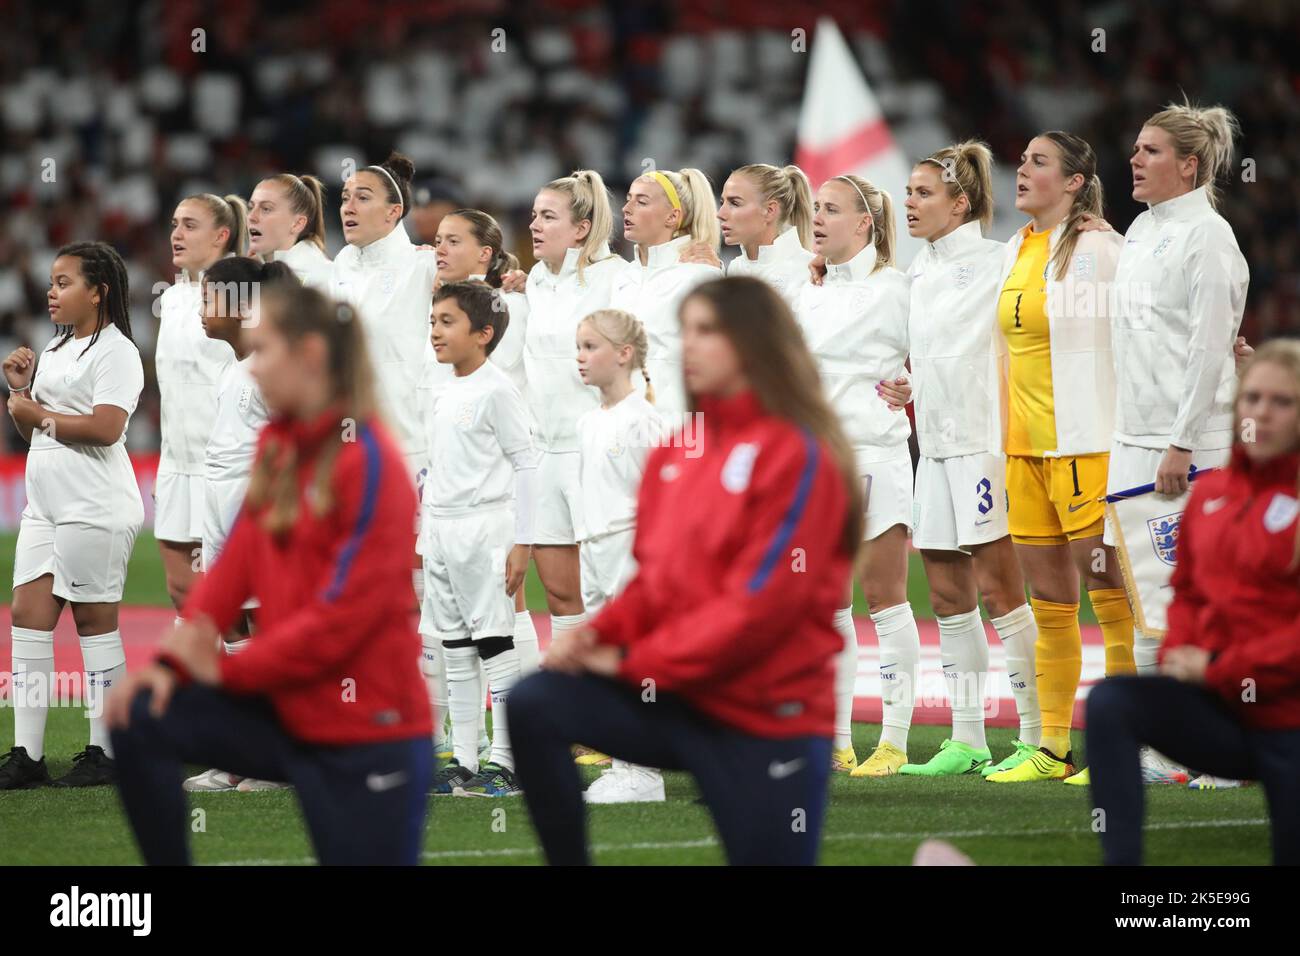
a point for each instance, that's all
(1179, 295)
(767, 212)
(83, 505)
(189, 365)
(667, 215)
(961, 503)
(286, 223)
(572, 222)
(855, 324)
(389, 282)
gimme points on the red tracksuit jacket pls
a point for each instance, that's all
(1233, 593)
(334, 648)
(741, 569)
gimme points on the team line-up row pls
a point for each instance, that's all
(525, 406)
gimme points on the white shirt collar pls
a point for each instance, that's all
(965, 235)
(781, 248)
(856, 269)
(1187, 206)
(382, 250)
(300, 251)
(665, 254)
(570, 264)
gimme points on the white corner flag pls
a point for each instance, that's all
(842, 130)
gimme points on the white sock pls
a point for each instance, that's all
(964, 650)
(526, 643)
(502, 674)
(104, 659)
(1018, 634)
(846, 675)
(465, 689)
(1145, 650)
(435, 680)
(484, 741)
(567, 622)
(33, 673)
(900, 660)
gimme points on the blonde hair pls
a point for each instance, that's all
(1284, 353)
(228, 212)
(588, 200)
(968, 171)
(1078, 158)
(875, 202)
(699, 208)
(789, 187)
(296, 312)
(306, 195)
(622, 329)
(1204, 132)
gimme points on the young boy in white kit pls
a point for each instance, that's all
(478, 523)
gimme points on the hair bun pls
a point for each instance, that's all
(401, 166)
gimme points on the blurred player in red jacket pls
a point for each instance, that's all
(718, 658)
(328, 694)
(1227, 701)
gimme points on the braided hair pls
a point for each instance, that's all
(101, 268)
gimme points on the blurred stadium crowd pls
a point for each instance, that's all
(134, 117)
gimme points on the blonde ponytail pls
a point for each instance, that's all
(875, 202)
(306, 196)
(1208, 133)
(228, 212)
(788, 186)
(966, 168)
(588, 200)
(699, 209)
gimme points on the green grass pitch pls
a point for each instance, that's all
(868, 821)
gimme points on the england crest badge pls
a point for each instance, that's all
(1164, 536)
(1282, 510)
(739, 466)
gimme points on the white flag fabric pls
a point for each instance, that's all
(1145, 526)
(842, 130)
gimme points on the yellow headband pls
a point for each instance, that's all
(667, 183)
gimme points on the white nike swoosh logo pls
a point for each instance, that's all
(378, 783)
(779, 771)
(1213, 505)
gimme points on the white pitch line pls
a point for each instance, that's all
(826, 838)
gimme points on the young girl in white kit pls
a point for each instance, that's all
(614, 440)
